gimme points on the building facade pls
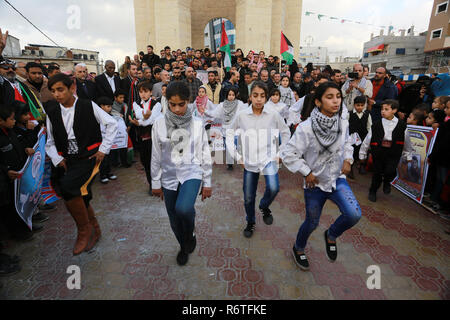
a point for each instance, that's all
(318, 56)
(213, 34)
(403, 53)
(437, 46)
(258, 23)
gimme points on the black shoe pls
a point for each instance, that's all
(6, 258)
(182, 258)
(40, 217)
(267, 216)
(230, 167)
(47, 207)
(300, 259)
(248, 232)
(372, 196)
(9, 269)
(387, 188)
(37, 227)
(331, 248)
(190, 247)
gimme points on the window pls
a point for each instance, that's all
(442, 7)
(436, 34)
(366, 55)
(400, 51)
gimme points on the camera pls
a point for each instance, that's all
(353, 75)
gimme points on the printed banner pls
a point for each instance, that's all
(412, 176)
(48, 195)
(216, 137)
(121, 139)
(28, 188)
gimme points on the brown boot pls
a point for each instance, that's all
(84, 228)
(96, 235)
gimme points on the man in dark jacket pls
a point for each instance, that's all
(107, 83)
(85, 89)
(383, 89)
(151, 58)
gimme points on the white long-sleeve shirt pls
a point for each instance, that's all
(295, 112)
(167, 170)
(141, 110)
(68, 114)
(280, 107)
(219, 114)
(259, 137)
(304, 154)
(205, 117)
(388, 126)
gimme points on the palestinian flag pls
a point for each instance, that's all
(287, 50)
(225, 47)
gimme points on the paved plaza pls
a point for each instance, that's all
(135, 259)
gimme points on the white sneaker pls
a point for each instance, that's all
(112, 177)
(104, 180)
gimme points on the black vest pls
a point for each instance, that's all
(398, 140)
(145, 132)
(85, 127)
(359, 125)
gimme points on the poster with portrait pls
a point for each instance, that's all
(27, 189)
(412, 176)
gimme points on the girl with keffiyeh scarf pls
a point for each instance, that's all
(200, 106)
(321, 151)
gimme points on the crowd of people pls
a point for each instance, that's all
(325, 124)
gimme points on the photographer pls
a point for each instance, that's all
(356, 86)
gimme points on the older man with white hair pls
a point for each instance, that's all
(157, 88)
(85, 88)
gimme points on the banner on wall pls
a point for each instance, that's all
(412, 176)
(27, 189)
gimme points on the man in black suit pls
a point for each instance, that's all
(151, 58)
(107, 83)
(85, 89)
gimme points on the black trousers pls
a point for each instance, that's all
(385, 170)
(119, 156)
(146, 157)
(105, 167)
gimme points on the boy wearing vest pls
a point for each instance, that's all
(76, 148)
(389, 141)
(360, 123)
(105, 168)
(144, 116)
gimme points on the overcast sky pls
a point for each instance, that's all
(108, 26)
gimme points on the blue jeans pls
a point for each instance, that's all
(251, 184)
(180, 208)
(315, 200)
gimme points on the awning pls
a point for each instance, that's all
(377, 48)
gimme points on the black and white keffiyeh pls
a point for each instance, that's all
(230, 109)
(325, 129)
(174, 122)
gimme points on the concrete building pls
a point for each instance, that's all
(437, 46)
(318, 56)
(404, 53)
(181, 23)
(66, 58)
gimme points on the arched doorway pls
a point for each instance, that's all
(213, 34)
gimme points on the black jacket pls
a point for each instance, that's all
(387, 91)
(441, 151)
(103, 87)
(27, 137)
(151, 60)
(243, 92)
(12, 157)
(86, 90)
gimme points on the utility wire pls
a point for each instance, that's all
(33, 24)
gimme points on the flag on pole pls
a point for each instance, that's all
(287, 49)
(225, 47)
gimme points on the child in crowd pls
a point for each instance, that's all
(435, 118)
(227, 112)
(162, 100)
(200, 105)
(180, 169)
(416, 118)
(440, 102)
(26, 130)
(388, 140)
(105, 167)
(145, 116)
(76, 147)
(258, 129)
(321, 151)
(360, 123)
(287, 95)
(119, 110)
(275, 103)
